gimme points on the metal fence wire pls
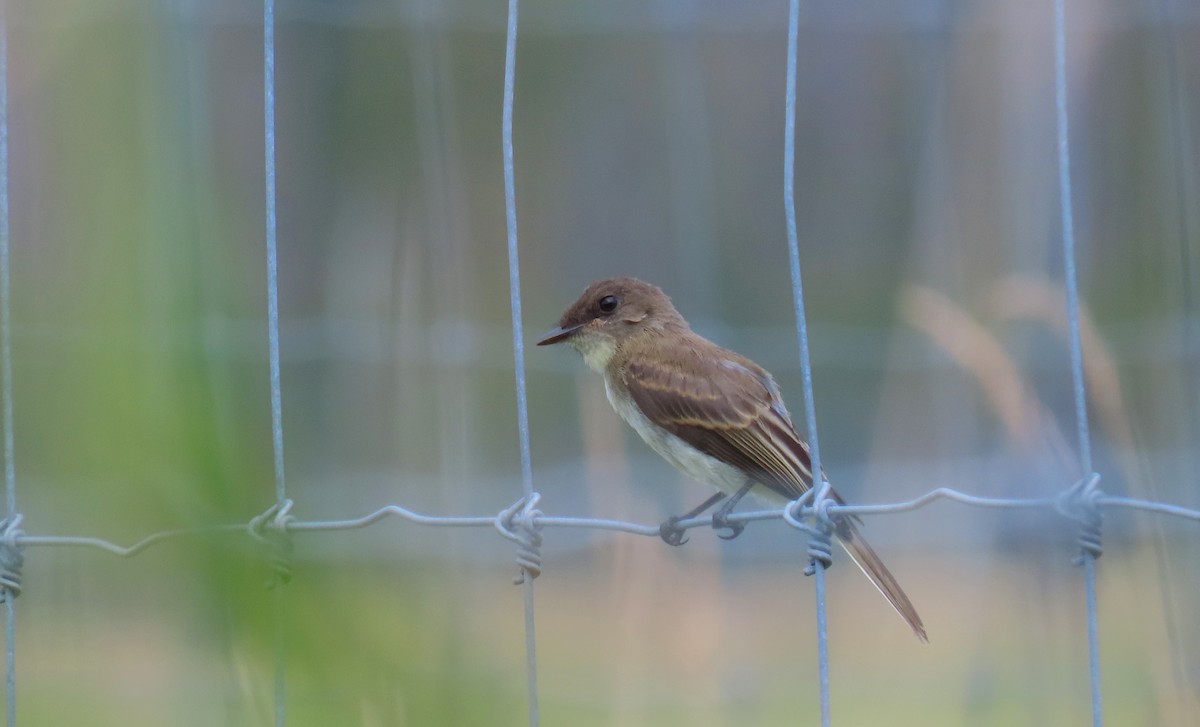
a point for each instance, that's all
(1082, 503)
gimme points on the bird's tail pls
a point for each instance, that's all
(868, 561)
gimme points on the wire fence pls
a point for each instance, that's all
(1082, 503)
(10, 554)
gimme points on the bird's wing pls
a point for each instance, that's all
(726, 407)
(729, 408)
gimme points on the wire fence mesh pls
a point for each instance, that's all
(1082, 504)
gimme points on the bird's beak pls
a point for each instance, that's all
(555, 335)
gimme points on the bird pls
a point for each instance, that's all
(712, 413)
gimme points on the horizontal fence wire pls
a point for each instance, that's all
(503, 520)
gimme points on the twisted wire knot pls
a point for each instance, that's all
(820, 532)
(11, 557)
(519, 523)
(271, 529)
(1082, 503)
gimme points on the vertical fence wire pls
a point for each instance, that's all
(514, 267)
(272, 253)
(6, 386)
(810, 409)
(1068, 233)
(10, 477)
(1076, 348)
(514, 286)
(280, 687)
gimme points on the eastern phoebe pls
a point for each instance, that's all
(710, 412)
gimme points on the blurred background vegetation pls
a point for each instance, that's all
(648, 142)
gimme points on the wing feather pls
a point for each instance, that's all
(729, 408)
(725, 406)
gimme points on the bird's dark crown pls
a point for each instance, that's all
(627, 299)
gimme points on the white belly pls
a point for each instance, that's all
(683, 456)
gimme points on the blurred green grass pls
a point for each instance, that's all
(148, 642)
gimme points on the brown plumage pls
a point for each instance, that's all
(712, 413)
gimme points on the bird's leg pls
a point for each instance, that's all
(720, 518)
(670, 531)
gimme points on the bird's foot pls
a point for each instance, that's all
(671, 533)
(720, 521)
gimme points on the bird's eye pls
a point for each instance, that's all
(608, 303)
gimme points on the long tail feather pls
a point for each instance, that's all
(868, 561)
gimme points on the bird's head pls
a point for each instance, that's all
(608, 314)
